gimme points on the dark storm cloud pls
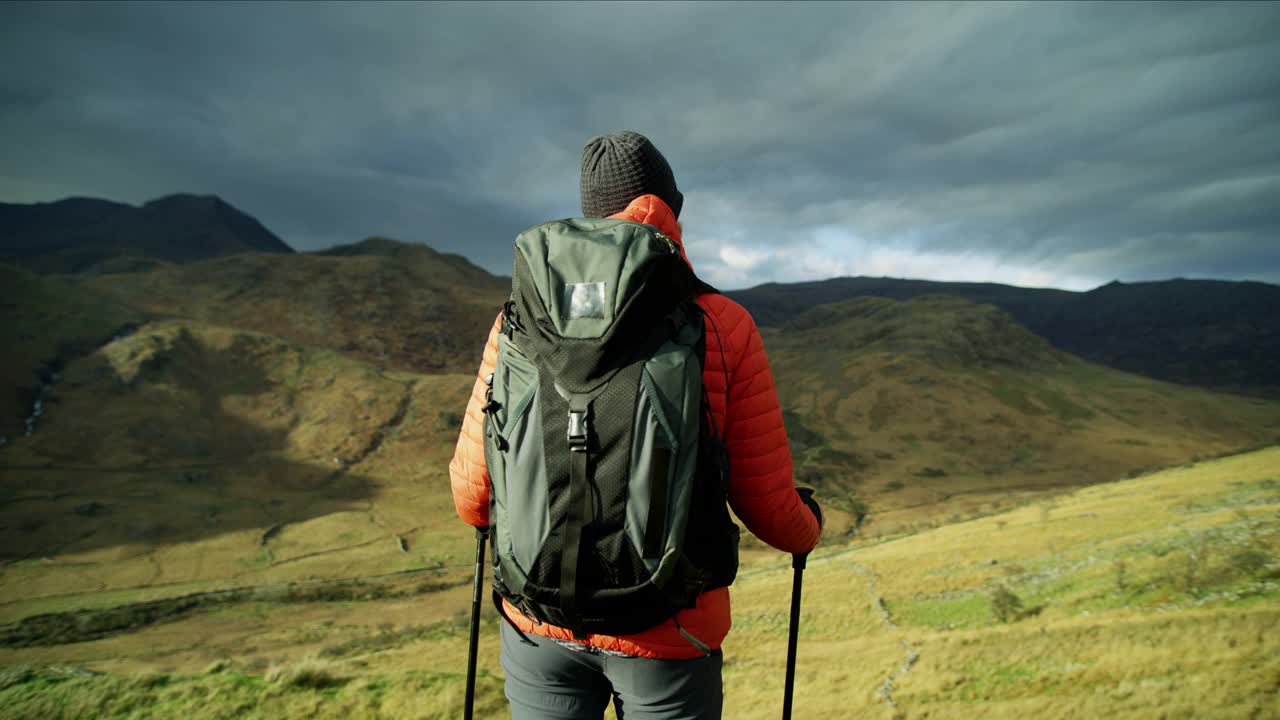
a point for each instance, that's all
(1062, 144)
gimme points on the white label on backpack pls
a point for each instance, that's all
(584, 300)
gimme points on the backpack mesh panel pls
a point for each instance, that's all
(614, 417)
(613, 421)
(620, 562)
(555, 429)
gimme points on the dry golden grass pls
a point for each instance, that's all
(1152, 650)
(890, 627)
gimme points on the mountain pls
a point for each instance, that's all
(1218, 334)
(940, 328)
(462, 271)
(81, 234)
(401, 305)
(941, 405)
(242, 461)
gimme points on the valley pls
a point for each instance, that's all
(234, 494)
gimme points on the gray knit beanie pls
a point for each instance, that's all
(620, 167)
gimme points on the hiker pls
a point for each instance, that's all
(672, 668)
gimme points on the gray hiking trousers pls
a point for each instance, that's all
(553, 682)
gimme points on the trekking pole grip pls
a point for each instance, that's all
(482, 534)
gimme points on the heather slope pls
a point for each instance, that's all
(190, 456)
(938, 406)
(1209, 333)
(399, 305)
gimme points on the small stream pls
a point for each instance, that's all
(37, 408)
(51, 374)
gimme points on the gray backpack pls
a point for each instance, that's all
(609, 481)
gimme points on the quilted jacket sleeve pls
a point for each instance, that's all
(468, 476)
(762, 491)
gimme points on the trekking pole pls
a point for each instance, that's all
(797, 562)
(482, 534)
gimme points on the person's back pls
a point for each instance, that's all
(671, 670)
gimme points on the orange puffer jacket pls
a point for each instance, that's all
(761, 490)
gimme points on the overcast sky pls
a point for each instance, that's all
(1040, 144)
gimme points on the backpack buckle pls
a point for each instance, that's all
(490, 405)
(578, 431)
(510, 324)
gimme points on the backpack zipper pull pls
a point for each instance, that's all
(671, 244)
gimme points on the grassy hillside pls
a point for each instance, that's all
(939, 408)
(1142, 598)
(193, 457)
(1152, 597)
(397, 305)
(47, 321)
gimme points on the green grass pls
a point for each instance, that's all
(1062, 407)
(261, 559)
(1146, 650)
(1015, 398)
(249, 604)
(1245, 494)
(965, 611)
(388, 638)
(984, 679)
(1226, 565)
(772, 622)
(309, 690)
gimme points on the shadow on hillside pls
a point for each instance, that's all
(176, 436)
